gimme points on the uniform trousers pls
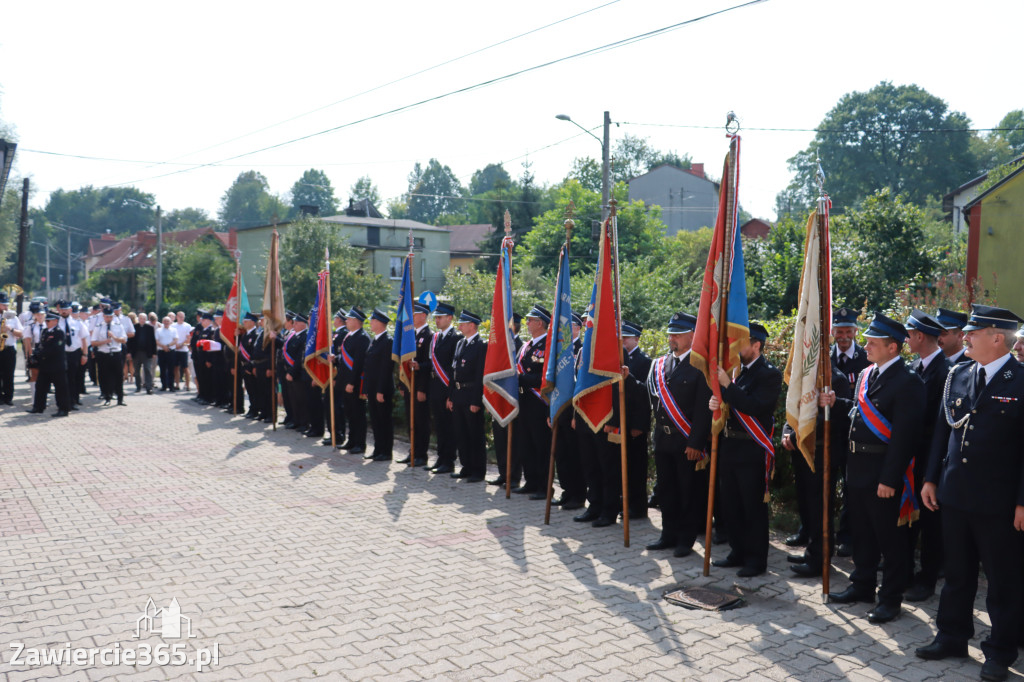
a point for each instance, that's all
(383, 427)
(500, 434)
(741, 480)
(534, 441)
(74, 375)
(876, 535)
(992, 540)
(568, 464)
(58, 377)
(8, 359)
(443, 428)
(469, 430)
(928, 528)
(591, 446)
(421, 413)
(355, 414)
(109, 373)
(682, 493)
(165, 360)
(810, 500)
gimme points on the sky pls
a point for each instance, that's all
(177, 99)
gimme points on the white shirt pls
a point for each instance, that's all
(13, 324)
(183, 329)
(887, 365)
(928, 360)
(74, 333)
(32, 331)
(992, 368)
(100, 334)
(126, 324)
(167, 336)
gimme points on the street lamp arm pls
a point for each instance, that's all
(564, 117)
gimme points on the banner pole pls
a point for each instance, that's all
(825, 371)
(623, 434)
(551, 473)
(330, 370)
(235, 378)
(273, 381)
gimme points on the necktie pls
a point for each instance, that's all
(979, 385)
(872, 376)
(841, 363)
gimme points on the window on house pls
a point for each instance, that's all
(417, 243)
(373, 236)
(396, 267)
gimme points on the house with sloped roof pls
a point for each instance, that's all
(467, 244)
(995, 239)
(688, 199)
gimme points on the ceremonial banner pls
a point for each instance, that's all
(501, 381)
(814, 315)
(724, 290)
(600, 367)
(318, 338)
(273, 296)
(403, 347)
(235, 310)
(559, 363)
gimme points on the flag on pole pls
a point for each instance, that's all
(501, 381)
(273, 296)
(318, 338)
(600, 369)
(235, 310)
(812, 320)
(724, 287)
(559, 363)
(403, 346)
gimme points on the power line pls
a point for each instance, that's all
(830, 130)
(482, 84)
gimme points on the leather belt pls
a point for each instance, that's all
(867, 448)
(736, 433)
(459, 385)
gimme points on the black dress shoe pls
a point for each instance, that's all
(443, 469)
(325, 441)
(381, 458)
(268, 420)
(120, 403)
(884, 613)
(368, 456)
(34, 411)
(402, 461)
(524, 490)
(461, 473)
(940, 649)
(420, 463)
(719, 538)
(587, 516)
(994, 672)
(570, 504)
(750, 571)
(344, 446)
(796, 540)
(474, 479)
(60, 413)
(500, 480)
(844, 550)
(635, 514)
(682, 551)
(660, 544)
(288, 425)
(806, 570)
(356, 451)
(73, 408)
(726, 563)
(106, 402)
(797, 558)
(851, 595)
(603, 521)
(539, 496)
(919, 592)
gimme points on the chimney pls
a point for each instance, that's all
(233, 239)
(697, 169)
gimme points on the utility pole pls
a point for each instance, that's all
(49, 282)
(605, 166)
(159, 262)
(23, 244)
(68, 231)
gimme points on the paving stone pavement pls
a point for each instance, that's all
(297, 562)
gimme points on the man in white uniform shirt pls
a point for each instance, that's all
(184, 330)
(108, 338)
(8, 354)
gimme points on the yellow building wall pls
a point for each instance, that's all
(1001, 253)
(462, 264)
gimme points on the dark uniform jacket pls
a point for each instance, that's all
(442, 345)
(355, 345)
(688, 388)
(851, 368)
(934, 378)
(467, 382)
(755, 392)
(530, 363)
(378, 376)
(51, 352)
(840, 428)
(899, 395)
(979, 468)
(425, 372)
(638, 399)
(295, 347)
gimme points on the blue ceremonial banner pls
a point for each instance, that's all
(559, 363)
(403, 348)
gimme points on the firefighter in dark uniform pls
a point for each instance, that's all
(682, 428)
(350, 374)
(951, 340)
(887, 413)
(534, 442)
(223, 362)
(338, 336)
(568, 465)
(262, 379)
(379, 386)
(203, 359)
(442, 352)
(75, 345)
(743, 470)
(53, 368)
(246, 343)
(295, 374)
(279, 371)
(314, 394)
(465, 399)
(976, 476)
(500, 433)
(592, 448)
(419, 401)
(932, 366)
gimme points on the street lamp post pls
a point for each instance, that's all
(605, 157)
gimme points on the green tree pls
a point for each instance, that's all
(886, 137)
(186, 219)
(313, 189)
(586, 171)
(302, 258)
(363, 188)
(773, 267)
(397, 208)
(487, 178)
(877, 249)
(640, 229)
(201, 272)
(524, 201)
(248, 202)
(633, 156)
(433, 191)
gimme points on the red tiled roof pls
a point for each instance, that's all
(137, 251)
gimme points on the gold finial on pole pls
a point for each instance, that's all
(569, 222)
(508, 224)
